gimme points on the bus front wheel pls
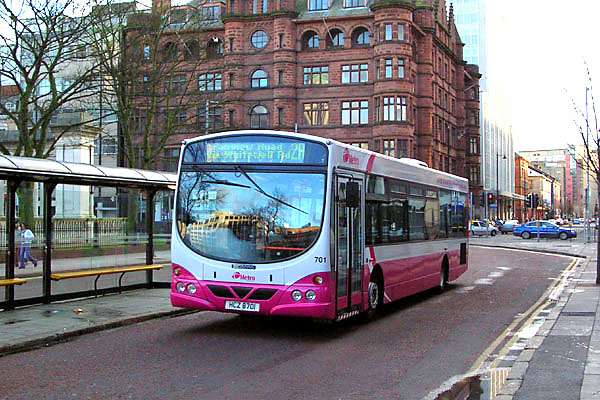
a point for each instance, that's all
(374, 298)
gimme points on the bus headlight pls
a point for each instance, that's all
(296, 295)
(310, 295)
(180, 287)
(191, 288)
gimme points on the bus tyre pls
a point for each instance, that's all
(563, 236)
(526, 235)
(374, 298)
(493, 233)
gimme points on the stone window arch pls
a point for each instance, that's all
(335, 38)
(310, 40)
(214, 48)
(259, 117)
(192, 50)
(259, 79)
(361, 37)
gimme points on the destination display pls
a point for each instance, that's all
(256, 152)
(255, 149)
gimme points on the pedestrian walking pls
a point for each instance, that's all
(25, 251)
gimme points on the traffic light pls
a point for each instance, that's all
(528, 201)
(535, 198)
(482, 200)
(490, 198)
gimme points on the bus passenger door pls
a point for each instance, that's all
(349, 242)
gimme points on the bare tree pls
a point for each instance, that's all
(589, 131)
(150, 65)
(44, 58)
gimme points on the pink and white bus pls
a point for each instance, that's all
(278, 223)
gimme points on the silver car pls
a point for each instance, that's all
(482, 228)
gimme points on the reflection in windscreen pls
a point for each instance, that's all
(255, 218)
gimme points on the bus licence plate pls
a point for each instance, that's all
(242, 306)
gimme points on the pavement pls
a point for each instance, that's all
(558, 356)
(31, 327)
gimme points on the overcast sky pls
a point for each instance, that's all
(537, 50)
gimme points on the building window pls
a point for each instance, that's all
(214, 48)
(231, 45)
(259, 39)
(176, 84)
(280, 77)
(361, 145)
(355, 112)
(231, 112)
(354, 3)
(401, 32)
(279, 116)
(211, 123)
(403, 148)
(361, 37)
(318, 5)
(209, 82)
(389, 147)
(335, 38)
(192, 50)
(355, 73)
(389, 32)
(310, 40)
(473, 145)
(170, 52)
(389, 68)
(146, 52)
(259, 117)
(231, 79)
(316, 114)
(474, 175)
(316, 75)
(395, 109)
(211, 13)
(280, 40)
(259, 79)
(259, 6)
(401, 65)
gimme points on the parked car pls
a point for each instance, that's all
(509, 226)
(482, 228)
(546, 230)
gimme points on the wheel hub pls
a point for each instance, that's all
(373, 295)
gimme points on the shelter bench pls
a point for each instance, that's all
(12, 282)
(98, 272)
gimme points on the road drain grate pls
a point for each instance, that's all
(578, 313)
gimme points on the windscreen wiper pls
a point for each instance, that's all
(223, 182)
(260, 190)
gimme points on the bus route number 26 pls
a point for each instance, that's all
(320, 260)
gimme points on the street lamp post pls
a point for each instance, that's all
(498, 183)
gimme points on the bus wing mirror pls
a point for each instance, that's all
(352, 194)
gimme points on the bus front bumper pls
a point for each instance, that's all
(212, 296)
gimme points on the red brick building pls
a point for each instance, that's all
(385, 75)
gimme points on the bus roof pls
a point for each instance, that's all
(352, 157)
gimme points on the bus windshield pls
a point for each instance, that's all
(248, 216)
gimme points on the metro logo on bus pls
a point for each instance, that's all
(349, 158)
(243, 277)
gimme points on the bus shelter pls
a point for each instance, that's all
(50, 173)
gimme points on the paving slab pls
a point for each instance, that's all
(556, 370)
(573, 326)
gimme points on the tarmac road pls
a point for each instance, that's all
(408, 351)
